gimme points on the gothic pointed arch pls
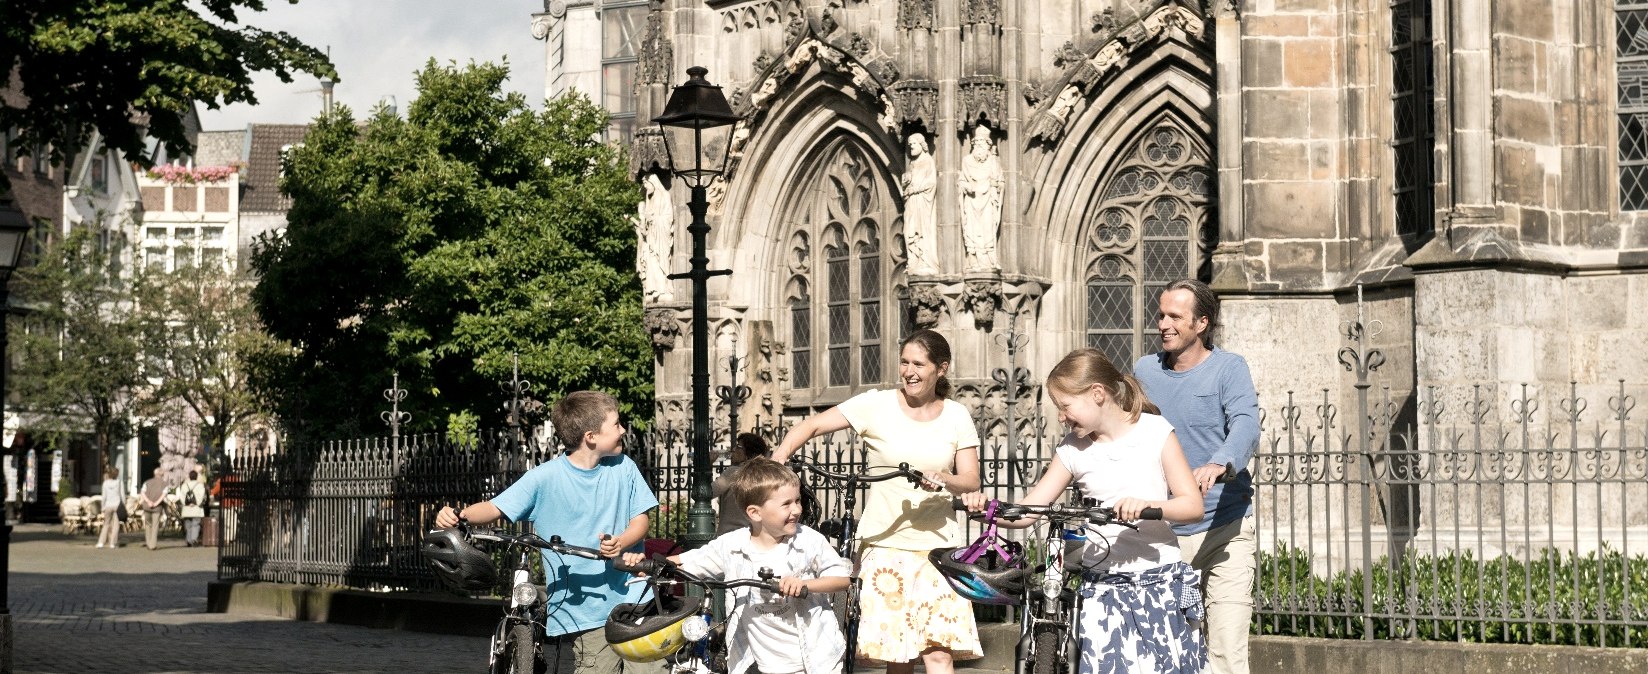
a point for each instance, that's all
(1127, 191)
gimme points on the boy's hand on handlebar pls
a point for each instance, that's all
(790, 586)
(609, 546)
(446, 518)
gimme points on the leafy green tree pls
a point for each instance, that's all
(200, 337)
(130, 69)
(437, 245)
(78, 341)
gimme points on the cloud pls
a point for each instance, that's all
(378, 45)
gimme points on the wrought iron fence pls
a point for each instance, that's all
(1489, 522)
(1476, 515)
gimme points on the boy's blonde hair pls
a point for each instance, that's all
(578, 413)
(1082, 368)
(757, 479)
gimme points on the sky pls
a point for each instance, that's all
(377, 45)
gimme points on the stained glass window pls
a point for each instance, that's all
(1413, 140)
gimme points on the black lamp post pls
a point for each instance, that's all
(697, 125)
(14, 232)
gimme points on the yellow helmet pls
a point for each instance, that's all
(650, 630)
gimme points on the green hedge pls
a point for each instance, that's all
(1558, 598)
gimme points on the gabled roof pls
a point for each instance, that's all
(220, 148)
(260, 182)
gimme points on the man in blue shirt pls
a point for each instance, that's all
(1208, 396)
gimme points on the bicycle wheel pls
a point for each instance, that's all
(1047, 650)
(520, 654)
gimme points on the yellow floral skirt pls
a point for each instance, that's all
(906, 608)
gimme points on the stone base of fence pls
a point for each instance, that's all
(412, 611)
(1292, 655)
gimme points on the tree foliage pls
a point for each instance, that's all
(78, 342)
(438, 245)
(133, 68)
(201, 335)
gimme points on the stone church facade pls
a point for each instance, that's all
(1467, 175)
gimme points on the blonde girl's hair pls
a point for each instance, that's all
(1082, 368)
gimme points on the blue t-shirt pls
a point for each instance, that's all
(561, 499)
(1214, 410)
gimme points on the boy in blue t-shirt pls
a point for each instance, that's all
(592, 496)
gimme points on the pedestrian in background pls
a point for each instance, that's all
(113, 496)
(189, 498)
(152, 498)
(731, 517)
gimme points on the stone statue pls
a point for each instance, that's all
(920, 217)
(655, 239)
(981, 183)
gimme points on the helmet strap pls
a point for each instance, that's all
(987, 541)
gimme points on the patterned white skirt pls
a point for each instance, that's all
(1147, 622)
(907, 608)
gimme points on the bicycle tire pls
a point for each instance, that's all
(522, 655)
(1046, 650)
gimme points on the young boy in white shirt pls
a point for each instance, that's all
(782, 632)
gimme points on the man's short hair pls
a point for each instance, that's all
(1207, 305)
(578, 413)
(757, 479)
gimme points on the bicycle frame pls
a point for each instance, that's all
(527, 602)
(706, 650)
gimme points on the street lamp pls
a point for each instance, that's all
(14, 232)
(697, 125)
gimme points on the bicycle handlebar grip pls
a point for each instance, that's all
(647, 566)
(957, 504)
(1150, 514)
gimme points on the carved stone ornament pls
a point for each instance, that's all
(983, 98)
(886, 71)
(980, 184)
(763, 61)
(981, 298)
(927, 303)
(664, 327)
(1102, 22)
(1068, 55)
(541, 24)
(646, 151)
(657, 54)
(555, 8)
(914, 14)
(918, 101)
(859, 46)
(981, 11)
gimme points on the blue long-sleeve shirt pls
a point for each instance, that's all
(1215, 411)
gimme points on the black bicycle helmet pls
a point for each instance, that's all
(650, 630)
(987, 580)
(459, 565)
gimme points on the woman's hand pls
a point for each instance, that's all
(933, 481)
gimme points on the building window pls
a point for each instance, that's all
(1631, 69)
(1151, 230)
(1414, 138)
(848, 202)
(621, 31)
(168, 248)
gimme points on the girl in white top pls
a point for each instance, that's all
(1141, 608)
(908, 611)
(113, 494)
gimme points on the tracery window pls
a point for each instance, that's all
(838, 332)
(622, 24)
(1151, 229)
(1631, 70)
(1412, 100)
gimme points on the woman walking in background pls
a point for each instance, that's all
(113, 496)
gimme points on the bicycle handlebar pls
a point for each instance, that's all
(658, 568)
(1096, 513)
(903, 470)
(554, 544)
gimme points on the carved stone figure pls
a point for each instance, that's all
(928, 303)
(663, 327)
(655, 234)
(981, 182)
(917, 185)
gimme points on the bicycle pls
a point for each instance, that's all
(705, 651)
(517, 643)
(843, 531)
(1049, 638)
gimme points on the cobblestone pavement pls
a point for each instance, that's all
(129, 610)
(77, 609)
